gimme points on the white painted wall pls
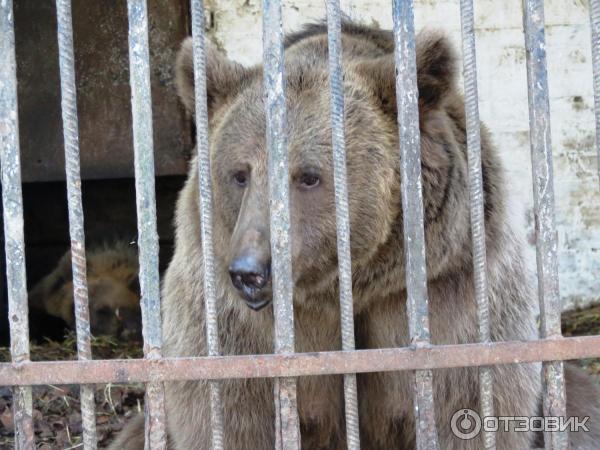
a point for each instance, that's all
(503, 103)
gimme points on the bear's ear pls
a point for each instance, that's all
(224, 77)
(436, 68)
(436, 73)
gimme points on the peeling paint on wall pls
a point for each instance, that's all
(236, 28)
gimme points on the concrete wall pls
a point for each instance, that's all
(236, 27)
(103, 92)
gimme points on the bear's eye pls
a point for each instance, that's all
(240, 178)
(309, 180)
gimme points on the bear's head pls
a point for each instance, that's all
(239, 160)
(113, 292)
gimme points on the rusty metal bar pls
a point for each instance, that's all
(286, 410)
(545, 227)
(298, 364)
(14, 243)
(595, 28)
(206, 214)
(141, 106)
(486, 402)
(334, 35)
(75, 205)
(407, 98)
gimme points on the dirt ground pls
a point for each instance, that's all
(57, 418)
(56, 409)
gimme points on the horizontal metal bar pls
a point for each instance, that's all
(298, 364)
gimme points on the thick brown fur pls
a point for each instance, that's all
(113, 291)
(237, 140)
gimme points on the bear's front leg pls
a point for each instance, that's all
(321, 409)
(248, 414)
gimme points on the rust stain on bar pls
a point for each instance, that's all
(298, 364)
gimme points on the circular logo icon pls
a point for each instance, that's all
(465, 424)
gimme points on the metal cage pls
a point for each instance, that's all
(421, 357)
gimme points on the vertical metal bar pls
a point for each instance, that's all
(286, 411)
(206, 214)
(477, 210)
(12, 203)
(334, 35)
(76, 230)
(545, 227)
(407, 98)
(595, 27)
(141, 106)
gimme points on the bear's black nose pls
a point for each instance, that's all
(250, 277)
(248, 272)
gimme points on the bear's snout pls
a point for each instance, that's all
(251, 277)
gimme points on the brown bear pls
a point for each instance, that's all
(245, 319)
(113, 291)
